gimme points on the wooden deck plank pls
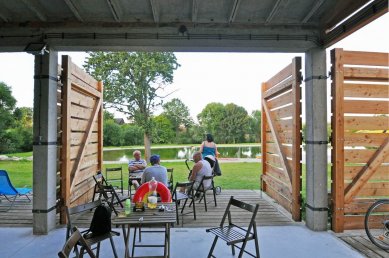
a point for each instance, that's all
(21, 215)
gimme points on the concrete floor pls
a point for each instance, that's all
(274, 242)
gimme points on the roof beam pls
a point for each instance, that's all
(273, 11)
(155, 10)
(114, 7)
(74, 10)
(313, 11)
(195, 10)
(36, 8)
(234, 11)
(4, 15)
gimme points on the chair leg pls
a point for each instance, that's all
(12, 202)
(205, 201)
(214, 195)
(194, 209)
(98, 250)
(178, 220)
(256, 242)
(113, 247)
(242, 249)
(233, 249)
(213, 247)
(133, 243)
(81, 255)
(183, 206)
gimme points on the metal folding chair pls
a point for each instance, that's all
(202, 191)
(233, 234)
(74, 213)
(71, 243)
(179, 197)
(114, 176)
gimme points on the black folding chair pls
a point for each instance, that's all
(179, 197)
(74, 240)
(114, 176)
(170, 180)
(74, 213)
(233, 234)
(108, 192)
(201, 191)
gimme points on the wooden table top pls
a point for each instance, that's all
(148, 217)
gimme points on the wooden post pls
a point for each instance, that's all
(263, 140)
(66, 139)
(337, 141)
(296, 128)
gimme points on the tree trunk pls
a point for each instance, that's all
(147, 143)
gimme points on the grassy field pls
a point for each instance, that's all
(236, 175)
(243, 175)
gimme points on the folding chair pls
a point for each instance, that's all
(234, 234)
(7, 189)
(114, 176)
(202, 191)
(170, 180)
(71, 243)
(74, 213)
(178, 197)
(102, 189)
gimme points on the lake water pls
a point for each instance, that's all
(172, 153)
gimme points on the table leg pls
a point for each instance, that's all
(126, 240)
(167, 243)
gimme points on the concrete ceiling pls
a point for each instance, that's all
(183, 25)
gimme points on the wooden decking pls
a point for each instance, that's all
(269, 213)
(360, 242)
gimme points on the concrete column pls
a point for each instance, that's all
(45, 142)
(316, 139)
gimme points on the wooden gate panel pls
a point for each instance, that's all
(81, 127)
(281, 138)
(360, 139)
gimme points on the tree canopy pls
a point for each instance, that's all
(134, 83)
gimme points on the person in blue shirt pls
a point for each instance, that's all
(155, 170)
(209, 148)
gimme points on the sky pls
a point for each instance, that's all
(206, 77)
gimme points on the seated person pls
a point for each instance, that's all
(200, 168)
(155, 170)
(136, 165)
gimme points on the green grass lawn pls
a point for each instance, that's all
(242, 175)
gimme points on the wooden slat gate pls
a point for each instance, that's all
(281, 138)
(81, 134)
(360, 135)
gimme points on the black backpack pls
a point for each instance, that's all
(101, 221)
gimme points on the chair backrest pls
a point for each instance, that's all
(187, 185)
(78, 210)
(242, 205)
(109, 170)
(170, 180)
(72, 241)
(6, 186)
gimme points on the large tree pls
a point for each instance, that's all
(7, 106)
(178, 114)
(134, 83)
(234, 125)
(211, 117)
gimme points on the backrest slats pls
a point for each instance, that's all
(84, 207)
(242, 205)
